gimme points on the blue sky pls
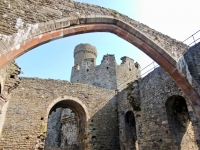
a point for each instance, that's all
(178, 19)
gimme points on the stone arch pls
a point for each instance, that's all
(161, 48)
(79, 123)
(74, 99)
(180, 124)
(130, 131)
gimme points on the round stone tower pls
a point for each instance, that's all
(85, 52)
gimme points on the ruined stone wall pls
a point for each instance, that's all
(155, 89)
(24, 127)
(108, 74)
(152, 125)
(127, 72)
(103, 75)
(9, 78)
(123, 108)
(8, 81)
(192, 57)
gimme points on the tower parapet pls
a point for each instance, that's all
(108, 74)
(85, 52)
(127, 72)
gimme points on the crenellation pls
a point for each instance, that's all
(108, 74)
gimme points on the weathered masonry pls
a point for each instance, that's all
(24, 27)
(108, 74)
(149, 113)
(107, 106)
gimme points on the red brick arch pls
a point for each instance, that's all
(63, 28)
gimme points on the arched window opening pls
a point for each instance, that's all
(179, 123)
(66, 127)
(130, 131)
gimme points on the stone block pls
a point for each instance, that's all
(42, 28)
(62, 23)
(82, 19)
(105, 19)
(50, 25)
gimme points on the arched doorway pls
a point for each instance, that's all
(130, 131)
(180, 125)
(66, 126)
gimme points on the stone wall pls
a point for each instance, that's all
(192, 57)
(108, 74)
(26, 118)
(154, 127)
(127, 72)
(128, 138)
(139, 117)
(9, 80)
(103, 75)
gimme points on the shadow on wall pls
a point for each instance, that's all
(103, 128)
(130, 131)
(180, 125)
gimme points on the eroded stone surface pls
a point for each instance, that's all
(192, 58)
(9, 80)
(151, 113)
(108, 74)
(33, 97)
(160, 126)
(53, 129)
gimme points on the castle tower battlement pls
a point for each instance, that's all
(85, 52)
(108, 74)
